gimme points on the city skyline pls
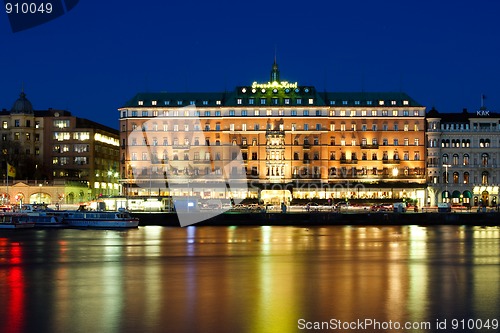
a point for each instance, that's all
(94, 59)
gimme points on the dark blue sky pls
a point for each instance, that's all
(99, 55)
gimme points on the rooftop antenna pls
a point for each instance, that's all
(483, 97)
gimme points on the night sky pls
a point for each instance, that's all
(93, 59)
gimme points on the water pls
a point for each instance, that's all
(248, 279)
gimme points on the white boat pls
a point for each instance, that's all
(41, 216)
(14, 221)
(100, 219)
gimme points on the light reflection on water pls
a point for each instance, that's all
(244, 279)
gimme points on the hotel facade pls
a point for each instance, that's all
(291, 142)
(463, 154)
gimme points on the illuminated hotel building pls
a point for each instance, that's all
(295, 141)
(463, 154)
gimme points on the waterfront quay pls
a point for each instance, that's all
(324, 218)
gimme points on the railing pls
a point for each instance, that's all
(386, 161)
(375, 146)
(345, 161)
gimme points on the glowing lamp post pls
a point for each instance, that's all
(446, 166)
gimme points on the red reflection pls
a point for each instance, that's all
(14, 287)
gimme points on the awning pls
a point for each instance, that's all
(467, 194)
(455, 194)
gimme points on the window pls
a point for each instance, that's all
(395, 142)
(455, 159)
(466, 159)
(406, 113)
(306, 127)
(207, 113)
(484, 159)
(374, 113)
(306, 112)
(244, 113)
(59, 123)
(231, 113)
(256, 112)
(406, 127)
(294, 112)
(262, 101)
(374, 127)
(406, 142)
(5, 125)
(318, 127)
(298, 101)
(251, 101)
(17, 123)
(217, 113)
(239, 101)
(311, 101)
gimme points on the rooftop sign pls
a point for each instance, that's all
(275, 84)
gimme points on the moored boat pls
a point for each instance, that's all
(14, 221)
(41, 216)
(100, 219)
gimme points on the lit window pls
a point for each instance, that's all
(415, 113)
(353, 113)
(380, 102)
(239, 101)
(311, 100)
(140, 103)
(374, 113)
(153, 102)
(269, 112)
(363, 113)
(256, 112)
(406, 127)
(342, 113)
(218, 102)
(287, 101)
(395, 113)
(393, 102)
(405, 102)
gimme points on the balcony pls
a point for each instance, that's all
(387, 161)
(306, 161)
(346, 161)
(181, 146)
(307, 146)
(374, 146)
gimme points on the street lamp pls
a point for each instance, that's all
(110, 173)
(446, 166)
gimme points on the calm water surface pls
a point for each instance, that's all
(246, 279)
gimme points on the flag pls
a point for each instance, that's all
(11, 171)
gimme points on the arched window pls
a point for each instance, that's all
(466, 177)
(466, 159)
(445, 158)
(484, 159)
(455, 159)
(484, 178)
(487, 143)
(455, 178)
